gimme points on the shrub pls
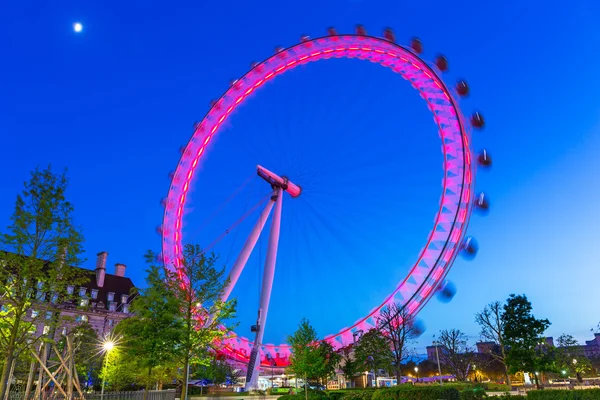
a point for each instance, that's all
(337, 395)
(473, 394)
(300, 396)
(409, 392)
(583, 394)
(495, 387)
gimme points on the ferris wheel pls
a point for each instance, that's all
(447, 238)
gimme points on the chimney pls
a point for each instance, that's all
(101, 268)
(120, 269)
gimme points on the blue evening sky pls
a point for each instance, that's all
(115, 102)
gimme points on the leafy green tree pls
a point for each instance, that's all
(523, 335)
(119, 369)
(349, 365)
(153, 335)
(373, 352)
(491, 323)
(331, 360)
(570, 356)
(306, 358)
(455, 354)
(40, 248)
(200, 306)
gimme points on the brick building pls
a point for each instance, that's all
(102, 302)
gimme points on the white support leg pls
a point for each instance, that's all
(265, 294)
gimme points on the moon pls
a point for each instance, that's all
(77, 27)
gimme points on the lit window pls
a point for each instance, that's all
(112, 306)
(70, 289)
(54, 298)
(124, 298)
(110, 322)
(81, 318)
(82, 291)
(46, 329)
(40, 296)
(94, 294)
(126, 309)
(111, 296)
(48, 314)
(64, 331)
(83, 302)
(34, 313)
(40, 285)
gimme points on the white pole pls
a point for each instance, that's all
(104, 375)
(267, 284)
(438, 361)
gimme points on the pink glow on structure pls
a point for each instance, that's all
(455, 205)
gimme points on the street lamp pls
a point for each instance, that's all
(435, 343)
(417, 372)
(107, 346)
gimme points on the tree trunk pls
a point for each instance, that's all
(10, 351)
(398, 375)
(305, 387)
(147, 388)
(186, 371)
(507, 376)
(537, 381)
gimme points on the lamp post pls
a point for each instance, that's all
(435, 343)
(417, 372)
(107, 346)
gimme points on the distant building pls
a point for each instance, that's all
(591, 349)
(102, 302)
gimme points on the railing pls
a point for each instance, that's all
(137, 395)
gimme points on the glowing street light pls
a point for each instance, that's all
(417, 372)
(108, 345)
(77, 27)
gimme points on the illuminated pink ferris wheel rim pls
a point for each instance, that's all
(445, 239)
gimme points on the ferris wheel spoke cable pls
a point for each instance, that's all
(221, 206)
(236, 223)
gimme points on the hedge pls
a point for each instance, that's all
(473, 394)
(409, 392)
(583, 394)
(300, 396)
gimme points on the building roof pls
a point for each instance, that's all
(119, 285)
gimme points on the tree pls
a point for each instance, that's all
(523, 335)
(202, 310)
(331, 360)
(397, 325)
(491, 323)
(456, 355)
(153, 335)
(119, 369)
(306, 358)
(349, 365)
(570, 356)
(41, 246)
(373, 352)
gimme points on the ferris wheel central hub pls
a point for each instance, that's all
(277, 181)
